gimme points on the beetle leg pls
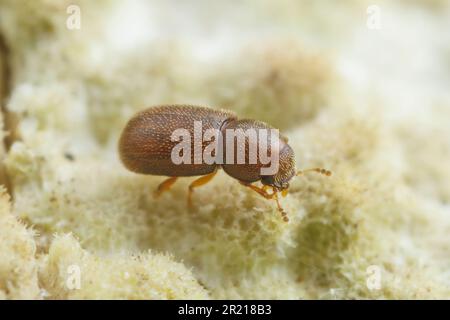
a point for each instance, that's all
(262, 191)
(164, 186)
(199, 182)
(264, 188)
(274, 195)
(318, 170)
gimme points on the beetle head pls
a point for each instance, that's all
(286, 170)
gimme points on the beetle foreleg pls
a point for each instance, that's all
(262, 191)
(274, 195)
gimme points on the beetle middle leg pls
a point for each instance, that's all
(199, 182)
(164, 186)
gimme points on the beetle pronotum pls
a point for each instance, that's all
(146, 146)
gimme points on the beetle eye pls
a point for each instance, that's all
(268, 180)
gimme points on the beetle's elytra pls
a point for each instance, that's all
(146, 146)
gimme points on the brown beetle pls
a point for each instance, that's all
(147, 143)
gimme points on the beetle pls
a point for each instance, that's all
(146, 145)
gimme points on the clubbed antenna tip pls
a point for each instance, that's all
(318, 170)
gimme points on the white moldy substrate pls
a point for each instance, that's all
(368, 105)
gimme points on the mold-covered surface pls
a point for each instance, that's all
(372, 105)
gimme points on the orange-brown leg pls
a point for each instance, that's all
(284, 192)
(274, 195)
(164, 186)
(262, 191)
(199, 182)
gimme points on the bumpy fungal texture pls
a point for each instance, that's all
(423, 164)
(352, 218)
(278, 82)
(18, 265)
(69, 272)
(382, 215)
(4, 118)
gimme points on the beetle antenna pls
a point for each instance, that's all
(281, 210)
(318, 170)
